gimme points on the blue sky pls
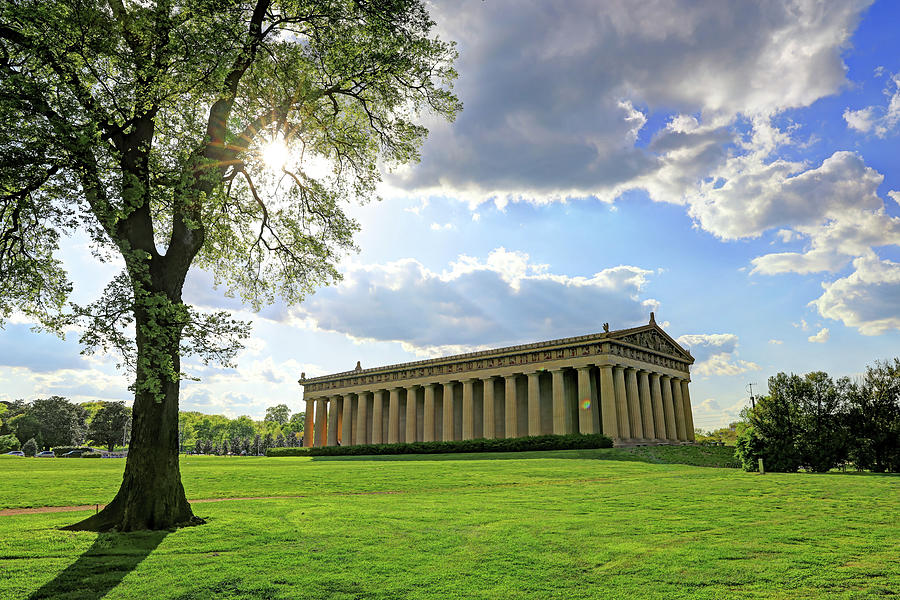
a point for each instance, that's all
(732, 166)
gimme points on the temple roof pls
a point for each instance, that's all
(650, 337)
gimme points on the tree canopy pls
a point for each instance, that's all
(145, 124)
(280, 413)
(109, 424)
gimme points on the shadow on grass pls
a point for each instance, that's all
(105, 564)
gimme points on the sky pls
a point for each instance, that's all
(732, 166)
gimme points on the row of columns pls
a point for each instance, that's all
(635, 406)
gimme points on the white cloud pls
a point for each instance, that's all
(439, 227)
(504, 299)
(77, 385)
(835, 206)
(868, 298)
(716, 354)
(775, 342)
(861, 120)
(821, 337)
(603, 69)
(880, 120)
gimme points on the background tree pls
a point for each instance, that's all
(773, 429)
(240, 427)
(295, 424)
(145, 123)
(25, 427)
(30, 447)
(821, 441)
(52, 421)
(109, 423)
(9, 442)
(280, 413)
(873, 418)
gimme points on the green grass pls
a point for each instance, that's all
(527, 525)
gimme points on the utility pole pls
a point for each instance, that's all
(752, 397)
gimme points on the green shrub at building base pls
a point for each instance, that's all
(572, 441)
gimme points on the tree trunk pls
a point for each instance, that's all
(151, 495)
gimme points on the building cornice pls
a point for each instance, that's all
(647, 343)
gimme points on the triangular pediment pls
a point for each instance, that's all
(652, 337)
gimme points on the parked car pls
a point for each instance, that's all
(45, 454)
(16, 453)
(74, 454)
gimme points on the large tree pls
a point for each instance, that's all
(157, 127)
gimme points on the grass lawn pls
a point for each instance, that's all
(564, 524)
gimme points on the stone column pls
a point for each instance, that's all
(688, 411)
(378, 417)
(634, 404)
(333, 420)
(447, 428)
(394, 417)
(347, 422)
(559, 403)
(487, 407)
(585, 408)
(679, 409)
(534, 404)
(510, 427)
(362, 418)
(608, 402)
(411, 414)
(308, 423)
(666, 385)
(321, 421)
(428, 417)
(659, 415)
(646, 405)
(468, 410)
(623, 425)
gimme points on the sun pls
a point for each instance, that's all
(275, 153)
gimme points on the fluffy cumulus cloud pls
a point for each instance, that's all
(503, 299)
(716, 354)
(821, 337)
(678, 99)
(867, 299)
(834, 207)
(880, 120)
(78, 385)
(563, 114)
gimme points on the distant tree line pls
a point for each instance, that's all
(247, 446)
(816, 423)
(52, 422)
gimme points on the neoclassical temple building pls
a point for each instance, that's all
(631, 384)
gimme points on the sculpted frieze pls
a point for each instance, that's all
(653, 341)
